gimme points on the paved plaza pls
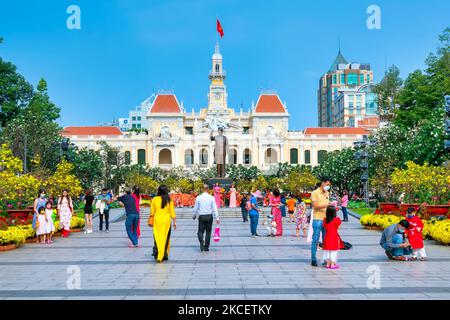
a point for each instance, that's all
(238, 267)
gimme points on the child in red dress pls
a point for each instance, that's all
(332, 242)
(414, 234)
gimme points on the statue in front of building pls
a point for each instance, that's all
(220, 151)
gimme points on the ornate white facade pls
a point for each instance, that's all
(259, 137)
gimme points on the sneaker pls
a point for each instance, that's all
(107, 230)
(400, 258)
(202, 247)
(101, 231)
(131, 246)
(334, 267)
(314, 263)
(423, 259)
(389, 255)
(86, 231)
(206, 249)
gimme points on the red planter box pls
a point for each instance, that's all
(438, 209)
(19, 213)
(403, 207)
(386, 207)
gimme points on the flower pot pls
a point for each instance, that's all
(404, 206)
(387, 207)
(19, 213)
(8, 247)
(438, 209)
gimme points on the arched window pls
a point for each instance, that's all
(127, 157)
(217, 68)
(247, 156)
(270, 156)
(321, 156)
(165, 156)
(294, 156)
(307, 157)
(232, 156)
(204, 157)
(141, 156)
(189, 157)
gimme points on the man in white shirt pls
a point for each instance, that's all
(205, 207)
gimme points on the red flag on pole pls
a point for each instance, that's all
(219, 28)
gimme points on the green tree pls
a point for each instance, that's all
(15, 92)
(387, 92)
(88, 167)
(41, 104)
(114, 169)
(342, 168)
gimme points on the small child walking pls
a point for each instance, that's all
(332, 242)
(414, 234)
(49, 223)
(302, 220)
(272, 227)
(41, 226)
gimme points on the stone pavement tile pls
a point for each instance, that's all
(268, 296)
(443, 295)
(35, 298)
(216, 297)
(94, 298)
(159, 297)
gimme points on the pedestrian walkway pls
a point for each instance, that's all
(238, 267)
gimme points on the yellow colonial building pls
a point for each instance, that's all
(175, 137)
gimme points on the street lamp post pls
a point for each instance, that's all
(363, 155)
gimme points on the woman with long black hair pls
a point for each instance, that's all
(137, 198)
(65, 212)
(162, 212)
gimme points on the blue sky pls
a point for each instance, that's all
(128, 49)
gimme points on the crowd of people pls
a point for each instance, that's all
(316, 220)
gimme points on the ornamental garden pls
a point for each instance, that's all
(407, 164)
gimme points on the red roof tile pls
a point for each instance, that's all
(336, 130)
(269, 103)
(94, 131)
(165, 103)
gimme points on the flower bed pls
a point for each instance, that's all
(20, 233)
(435, 229)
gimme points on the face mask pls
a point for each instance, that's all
(43, 195)
(410, 216)
(326, 188)
(401, 230)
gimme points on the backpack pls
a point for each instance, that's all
(248, 205)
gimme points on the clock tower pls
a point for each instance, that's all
(217, 97)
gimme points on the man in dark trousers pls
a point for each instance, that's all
(243, 206)
(132, 219)
(205, 207)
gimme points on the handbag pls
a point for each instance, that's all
(217, 235)
(151, 220)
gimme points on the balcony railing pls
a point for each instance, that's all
(213, 74)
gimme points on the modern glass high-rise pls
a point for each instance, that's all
(341, 74)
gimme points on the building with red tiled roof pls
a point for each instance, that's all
(165, 103)
(269, 103)
(91, 131)
(336, 130)
(162, 133)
